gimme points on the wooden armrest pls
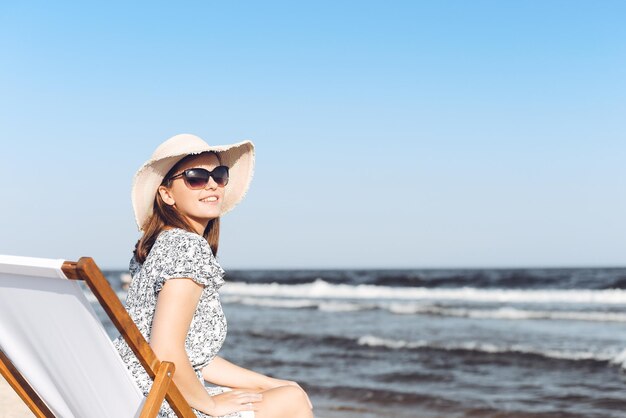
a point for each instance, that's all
(158, 390)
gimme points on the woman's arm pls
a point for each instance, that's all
(222, 372)
(176, 305)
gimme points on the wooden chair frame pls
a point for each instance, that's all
(159, 371)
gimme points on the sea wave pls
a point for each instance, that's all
(418, 308)
(347, 344)
(508, 313)
(321, 289)
(611, 357)
(300, 303)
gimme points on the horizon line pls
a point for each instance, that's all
(561, 267)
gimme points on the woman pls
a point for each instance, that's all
(178, 197)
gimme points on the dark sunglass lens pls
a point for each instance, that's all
(220, 175)
(197, 178)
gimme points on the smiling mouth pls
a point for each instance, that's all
(209, 199)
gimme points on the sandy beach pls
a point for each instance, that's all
(11, 406)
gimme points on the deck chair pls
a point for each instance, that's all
(56, 354)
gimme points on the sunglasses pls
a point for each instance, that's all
(198, 178)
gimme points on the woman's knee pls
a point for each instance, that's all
(284, 401)
(297, 395)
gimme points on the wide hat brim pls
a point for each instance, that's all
(239, 157)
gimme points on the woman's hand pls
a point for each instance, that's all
(235, 401)
(275, 383)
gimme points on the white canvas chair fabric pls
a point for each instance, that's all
(53, 337)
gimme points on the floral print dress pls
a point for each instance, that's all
(177, 253)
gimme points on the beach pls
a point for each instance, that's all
(11, 406)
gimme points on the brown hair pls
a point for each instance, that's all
(164, 215)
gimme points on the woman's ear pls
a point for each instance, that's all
(166, 195)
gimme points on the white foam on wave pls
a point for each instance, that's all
(420, 308)
(506, 313)
(322, 289)
(343, 307)
(298, 303)
(608, 356)
(620, 360)
(372, 341)
(272, 302)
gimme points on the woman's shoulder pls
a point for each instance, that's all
(176, 242)
(177, 236)
(180, 253)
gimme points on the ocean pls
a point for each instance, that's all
(434, 343)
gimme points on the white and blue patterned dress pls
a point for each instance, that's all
(177, 253)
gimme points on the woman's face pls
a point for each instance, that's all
(199, 206)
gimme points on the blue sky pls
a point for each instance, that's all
(388, 134)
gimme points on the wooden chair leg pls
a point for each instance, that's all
(158, 390)
(23, 388)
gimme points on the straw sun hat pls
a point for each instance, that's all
(238, 157)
